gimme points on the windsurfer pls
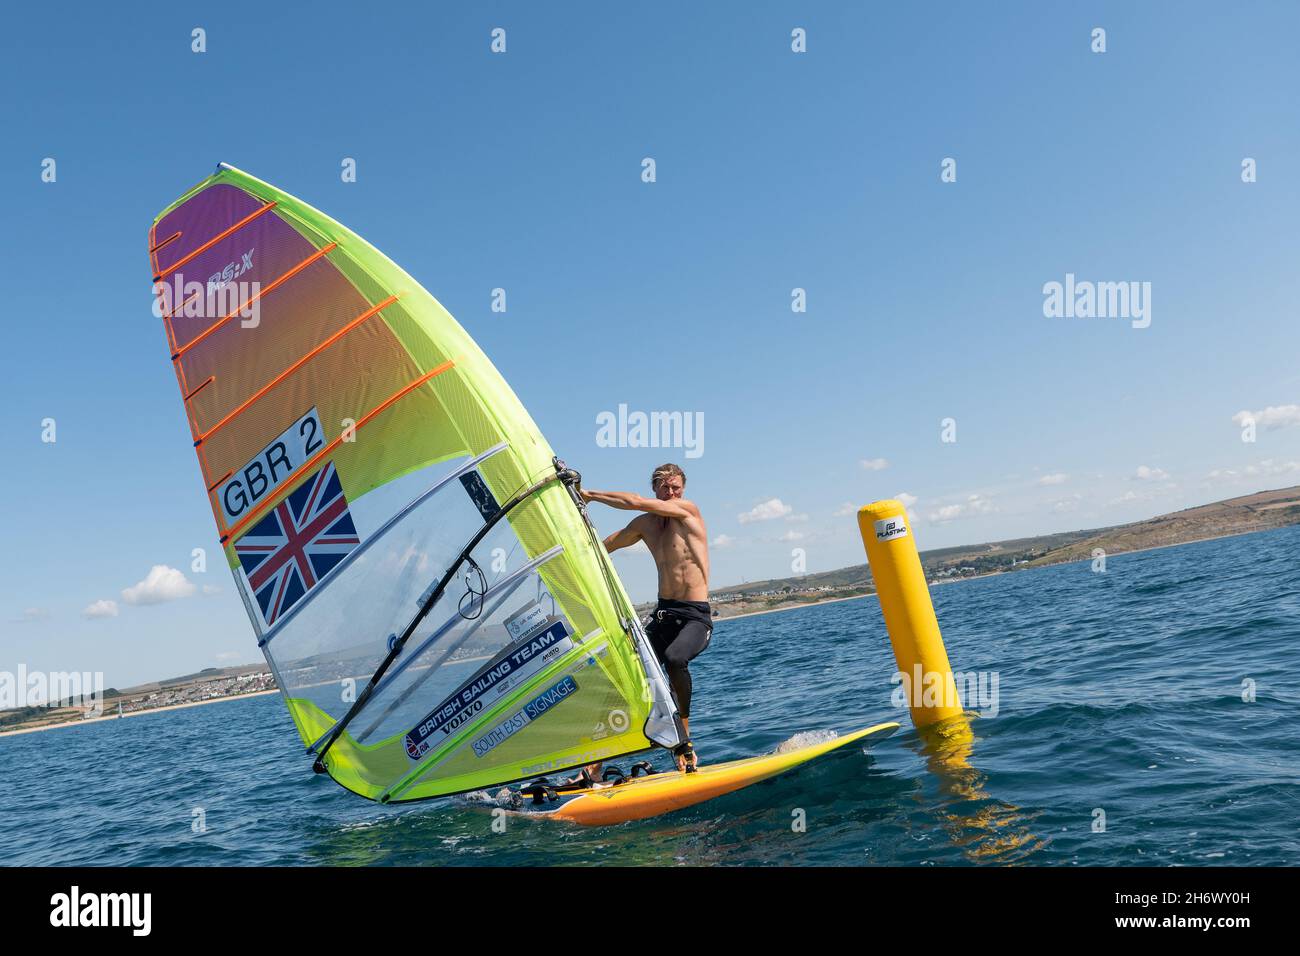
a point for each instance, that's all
(673, 529)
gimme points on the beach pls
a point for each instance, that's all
(134, 713)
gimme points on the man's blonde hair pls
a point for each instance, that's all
(664, 472)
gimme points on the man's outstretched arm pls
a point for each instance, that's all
(630, 501)
(623, 539)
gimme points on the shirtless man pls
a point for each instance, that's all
(674, 532)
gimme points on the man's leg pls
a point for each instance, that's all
(686, 646)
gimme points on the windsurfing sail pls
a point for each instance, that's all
(420, 574)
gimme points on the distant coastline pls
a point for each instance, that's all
(81, 722)
(1250, 514)
(793, 605)
(1262, 511)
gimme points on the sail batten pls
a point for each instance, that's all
(384, 529)
(322, 453)
(368, 452)
(498, 592)
(423, 766)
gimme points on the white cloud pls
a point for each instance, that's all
(1067, 504)
(1267, 468)
(161, 584)
(1275, 416)
(1056, 479)
(1129, 497)
(874, 464)
(1150, 474)
(905, 499)
(798, 517)
(100, 609)
(723, 541)
(973, 505)
(792, 535)
(412, 558)
(845, 510)
(211, 589)
(31, 614)
(768, 510)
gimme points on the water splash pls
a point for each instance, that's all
(808, 738)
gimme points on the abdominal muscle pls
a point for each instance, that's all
(683, 568)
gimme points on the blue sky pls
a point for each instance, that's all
(775, 171)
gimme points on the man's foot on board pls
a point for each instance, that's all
(586, 776)
(687, 760)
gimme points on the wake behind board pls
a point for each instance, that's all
(640, 797)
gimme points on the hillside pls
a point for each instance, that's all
(1256, 512)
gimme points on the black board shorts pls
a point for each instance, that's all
(679, 631)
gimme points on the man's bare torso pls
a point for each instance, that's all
(681, 553)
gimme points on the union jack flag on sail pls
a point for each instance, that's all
(299, 541)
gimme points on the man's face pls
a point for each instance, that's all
(669, 488)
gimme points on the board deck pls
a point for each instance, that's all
(636, 799)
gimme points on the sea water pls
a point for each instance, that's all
(1147, 715)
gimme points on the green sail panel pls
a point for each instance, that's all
(353, 441)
